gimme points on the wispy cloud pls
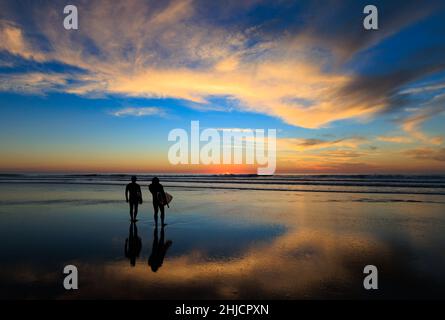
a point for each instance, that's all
(33, 82)
(427, 154)
(238, 130)
(140, 112)
(394, 139)
(413, 123)
(12, 39)
(424, 88)
(296, 144)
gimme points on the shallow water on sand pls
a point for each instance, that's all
(224, 244)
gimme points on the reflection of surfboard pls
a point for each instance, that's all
(168, 197)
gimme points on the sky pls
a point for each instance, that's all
(104, 98)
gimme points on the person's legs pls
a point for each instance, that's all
(155, 207)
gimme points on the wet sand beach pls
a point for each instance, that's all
(220, 243)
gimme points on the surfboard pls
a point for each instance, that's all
(168, 197)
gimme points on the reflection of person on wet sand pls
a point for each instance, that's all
(134, 191)
(158, 251)
(133, 244)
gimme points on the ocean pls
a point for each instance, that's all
(396, 184)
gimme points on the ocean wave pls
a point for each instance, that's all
(395, 184)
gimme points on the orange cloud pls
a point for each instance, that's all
(13, 41)
(295, 144)
(412, 125)
(427, 154)
(173, 55)
(394, 139)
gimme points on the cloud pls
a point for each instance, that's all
(344, 154)
(427, 154)
(424, 88)
(341, 30)
(412, 124)
(394, 139)
(33, 83)
(238, 130)
(140, 112)
(169, 49)
(13, 40)
(387, 88)
(296, 144)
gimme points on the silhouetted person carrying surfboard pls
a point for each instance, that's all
(160, 198)
(133, 195)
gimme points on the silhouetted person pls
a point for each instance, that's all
(158, 250)
(159, 198)
(133, 195)
(133, 244)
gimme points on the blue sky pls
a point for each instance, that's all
(104, 97)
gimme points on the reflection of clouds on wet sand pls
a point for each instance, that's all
(294, 265)
(307, 263)
(304, 264)
(300, 264)
(248, 245)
